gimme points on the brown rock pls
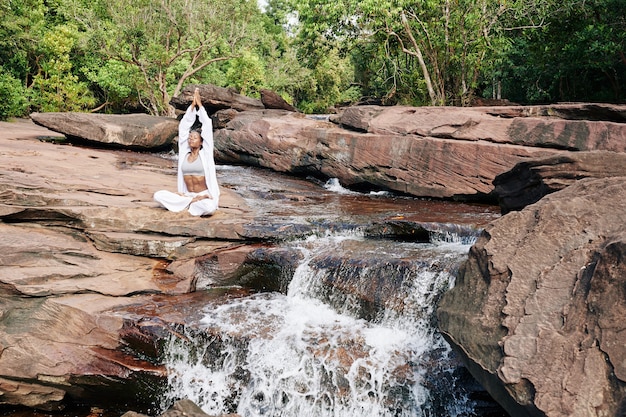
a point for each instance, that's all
(537, 311)
(136, 131)
(529, 181)
(526, 126)
(30, 395)
(55, 263)
(215, 98)
(80, 237)
(420, 166)
(66, 344)
(271, 100)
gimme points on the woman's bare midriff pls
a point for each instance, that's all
(195, 183)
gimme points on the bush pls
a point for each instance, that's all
(13, 102)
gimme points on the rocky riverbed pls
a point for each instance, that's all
(94, 274)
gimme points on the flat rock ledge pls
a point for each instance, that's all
(85, 285)
(130, 131)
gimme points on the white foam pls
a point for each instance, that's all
(293, 355)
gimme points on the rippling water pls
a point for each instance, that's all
(353, 335)
(286, 196)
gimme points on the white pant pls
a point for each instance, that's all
(176, 202)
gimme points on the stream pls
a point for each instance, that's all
(353, 333)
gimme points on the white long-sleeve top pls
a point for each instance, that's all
(206, 152)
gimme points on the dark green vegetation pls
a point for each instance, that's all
(134, 55)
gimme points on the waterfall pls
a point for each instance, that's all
(353, 336)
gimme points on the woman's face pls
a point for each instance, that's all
(195, 140)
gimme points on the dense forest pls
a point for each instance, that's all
(120, 56)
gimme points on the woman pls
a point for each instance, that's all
(198, 190)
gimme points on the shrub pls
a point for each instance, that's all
(13, 102)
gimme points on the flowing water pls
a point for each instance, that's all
(354, 333)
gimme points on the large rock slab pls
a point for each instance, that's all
(135, 131)
(571, 127)
(403, 162)
(537, 310)
(529, 181)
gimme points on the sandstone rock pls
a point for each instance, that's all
(52, 348)
(187, 408)
(572, 111)
(407, 163)
(526, 126)
(54, 263)
(215, 98)
(81, 244)
(271, 100)
(184, 408)
(181, 408)
(538, 310)
(135, 131)
(529, 181)
(31, 395)
(221, 118)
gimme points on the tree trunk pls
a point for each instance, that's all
(420, 58)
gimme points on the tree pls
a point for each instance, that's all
(166, 42)
(13, 94)
(449, 42)
(578, 55)
(55, 87)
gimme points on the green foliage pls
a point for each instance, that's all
(125, 55)
(577, 56)
(55, 87)
(246, 73)
(20, 28)
(329, 84)
(115, 82)
(162, 45)
(13, 101)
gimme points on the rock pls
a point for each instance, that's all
(83, 242)
(215, 98)
(537, 311)
(133, 414)
(31, 395)
(68, 264)
(64, 346)
(221, 118)
(134, 131)
(573, 111)
(271, 100)
(548, 127)
(184, 408)
(181, 408)
(529, 181)
(406, 163)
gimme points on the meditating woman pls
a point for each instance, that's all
(198, 190)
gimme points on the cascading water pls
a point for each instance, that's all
(353, 336)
